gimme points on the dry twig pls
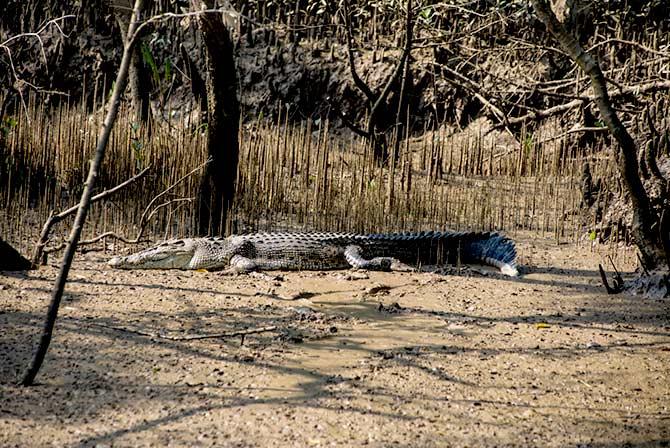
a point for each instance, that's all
(188, 337)
(5, 45)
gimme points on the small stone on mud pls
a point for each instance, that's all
(378, 289)
(299, 295)
(393, 308)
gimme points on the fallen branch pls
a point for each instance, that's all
(144, 220)
(61, 246)
(55, 219)
(156, 209)
(629, 42)
(114, 235)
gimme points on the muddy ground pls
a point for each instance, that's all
(394, 359)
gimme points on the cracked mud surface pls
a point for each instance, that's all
(394, 359)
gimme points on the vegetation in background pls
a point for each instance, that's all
(492, 105)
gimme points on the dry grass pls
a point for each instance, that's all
(291, 176)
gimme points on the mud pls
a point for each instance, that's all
(376, 359)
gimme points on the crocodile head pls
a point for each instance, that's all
(188, 253)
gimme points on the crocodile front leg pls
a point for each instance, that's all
(353, 255)
(240, 265)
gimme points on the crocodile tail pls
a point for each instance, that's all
(493, 249)
(435, 247)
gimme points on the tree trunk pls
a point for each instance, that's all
(217, 188)
(625, 153)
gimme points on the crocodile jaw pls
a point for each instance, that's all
(176, 254)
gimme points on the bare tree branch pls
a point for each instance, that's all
(376, 101)
(625, 152)
(363, 87)
(59, 285)
(55, 219)
(148, 213)
(398, 69)
(665, 54)
(625, 90)
(6, 44)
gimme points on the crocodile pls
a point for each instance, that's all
(325, 251)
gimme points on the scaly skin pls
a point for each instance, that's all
(322, 251)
